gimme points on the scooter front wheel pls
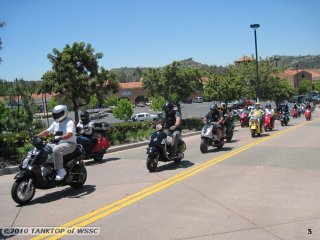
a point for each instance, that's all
(152, 163)
(253, 133)
(21, 193)
(204, 145)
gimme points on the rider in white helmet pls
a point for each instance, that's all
(66, 143)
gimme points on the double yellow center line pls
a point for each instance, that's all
(118, 205)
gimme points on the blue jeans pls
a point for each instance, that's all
(85, 142)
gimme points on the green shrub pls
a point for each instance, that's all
(10, 142)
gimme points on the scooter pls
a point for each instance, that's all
(307, 114)
(268, 122)
(294, 112)
(254, 126)
(160, 147)
(37, 171)
(284, 118)
(98, 147)
(244, 119)
(209, 139)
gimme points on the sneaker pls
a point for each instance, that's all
(60, 174)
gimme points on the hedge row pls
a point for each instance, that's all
(17, 144)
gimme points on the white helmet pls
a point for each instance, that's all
(59, 113)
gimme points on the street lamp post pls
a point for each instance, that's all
(254, 27)
(276, 59)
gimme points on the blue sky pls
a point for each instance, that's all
(150, 33)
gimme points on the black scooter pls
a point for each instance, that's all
(37, 171)
(160, 147)
(284, 119)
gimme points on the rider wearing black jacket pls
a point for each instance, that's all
(171, 123)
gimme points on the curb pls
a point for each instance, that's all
(15, 169)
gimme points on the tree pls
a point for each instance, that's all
(223, 88)
(317, 86)
(157, 104)
(123, 111)
(172, 81)
(305, 87)
(76, 75)
(93, 102)
(111, 101)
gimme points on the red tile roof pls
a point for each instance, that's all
(244, 59)
(130, 85)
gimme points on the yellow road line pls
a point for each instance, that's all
(118, 205)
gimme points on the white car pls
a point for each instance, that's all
(140, 117)
(198, 100)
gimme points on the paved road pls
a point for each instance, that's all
(262, 188)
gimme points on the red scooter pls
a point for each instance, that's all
(307, 114)
(98, 148)
(294, 113)
(244, 119)
(268, 123)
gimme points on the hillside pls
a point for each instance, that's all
(309, 61)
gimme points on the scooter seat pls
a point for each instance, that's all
(72, 155)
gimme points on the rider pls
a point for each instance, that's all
(86, 130)
(258, 113)
(308, 107)
(225, 112)
(66, 143)
(283, 107)
(215, 118)
(172, 121)
(269, 110)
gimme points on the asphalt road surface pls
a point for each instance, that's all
(255, 188)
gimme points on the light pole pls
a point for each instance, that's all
(254, 27)
(276, 59)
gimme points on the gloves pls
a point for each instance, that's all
(172, 128)
(57, 140)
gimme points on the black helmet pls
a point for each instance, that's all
(85, 118)
(168, 107)
(214, 107)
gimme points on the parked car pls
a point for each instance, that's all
(140, 104)
(316, 99)
(306, 99)
(297, 98)
(198, 99)
(140, 117)
(99, 115)
(149, 103)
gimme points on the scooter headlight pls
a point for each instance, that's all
(26, 160)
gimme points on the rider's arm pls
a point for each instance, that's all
(43, 133)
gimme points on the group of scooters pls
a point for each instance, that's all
(254, 122)
(297, 113)
(160, 144)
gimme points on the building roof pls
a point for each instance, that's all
(291, 72)
(244, 59)
(34, 96)
(130, 85)
(315, 73)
